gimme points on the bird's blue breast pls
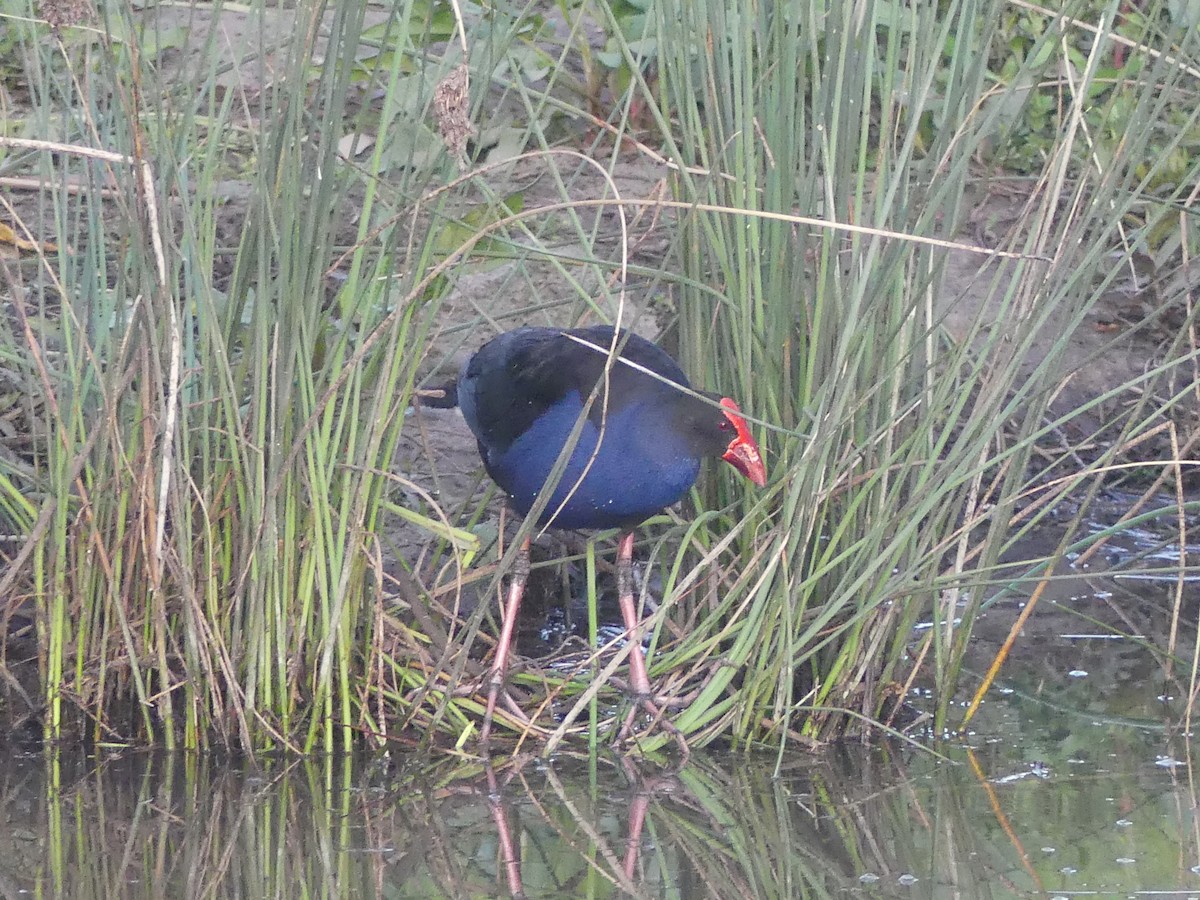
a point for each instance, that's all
(639, 469)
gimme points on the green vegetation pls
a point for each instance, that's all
(269, 230)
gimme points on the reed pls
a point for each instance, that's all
(203, 491)
(209, 464)
(828, 151)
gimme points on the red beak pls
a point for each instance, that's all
(742, 452)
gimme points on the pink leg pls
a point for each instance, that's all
(516, 590)
(639, 678)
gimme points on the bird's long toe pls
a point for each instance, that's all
(657, 720)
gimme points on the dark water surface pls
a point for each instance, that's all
(1077, 780)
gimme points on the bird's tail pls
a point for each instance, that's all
(443, 396)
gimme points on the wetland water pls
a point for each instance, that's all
(1077, 780)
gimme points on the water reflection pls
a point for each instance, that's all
(876, 822)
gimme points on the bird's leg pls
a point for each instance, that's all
(516, 590)
(639, 679)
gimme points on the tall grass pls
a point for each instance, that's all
(901, 454)
(205, 499)
(220, 406)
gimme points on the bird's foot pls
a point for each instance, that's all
(513, 710)
(657, 719)
(667, 701)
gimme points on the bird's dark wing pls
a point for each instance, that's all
(518, 376)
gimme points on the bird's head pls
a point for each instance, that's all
(716, 428)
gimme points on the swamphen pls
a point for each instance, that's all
(638, 448)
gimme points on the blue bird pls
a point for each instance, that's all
(638, 447)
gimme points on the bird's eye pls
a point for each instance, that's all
(725, 425)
